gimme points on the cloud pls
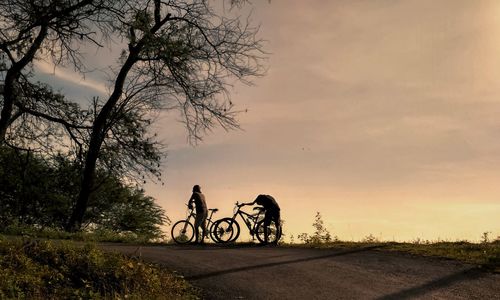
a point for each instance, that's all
(66, 78)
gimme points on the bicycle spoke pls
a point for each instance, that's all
(182, 232)
(226, 230)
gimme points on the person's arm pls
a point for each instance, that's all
(190, 202)
(249, 203)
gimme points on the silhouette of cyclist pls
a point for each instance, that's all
(201, 212)
(272, 212)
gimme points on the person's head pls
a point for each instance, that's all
(196, 189)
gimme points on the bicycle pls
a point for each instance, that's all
(228, 230)
(183, 231)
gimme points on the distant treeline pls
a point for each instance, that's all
(41, 191)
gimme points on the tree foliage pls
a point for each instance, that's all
(179, 54)
(44, 30)
(40, 192)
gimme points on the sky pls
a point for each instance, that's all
(382, 115)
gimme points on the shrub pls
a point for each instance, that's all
(44, 269)
(321, 234)
(370, 239)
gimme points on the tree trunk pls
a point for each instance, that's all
(96, 139)
(100, 127)
(8, 105)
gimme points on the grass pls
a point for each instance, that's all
(62, 270)
(486, 254)
(57, 234)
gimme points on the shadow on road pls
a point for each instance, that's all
(418, 291)
(267, 265)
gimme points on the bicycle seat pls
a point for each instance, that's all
(214, 209)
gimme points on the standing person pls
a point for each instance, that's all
(201, 213)
(272, 213)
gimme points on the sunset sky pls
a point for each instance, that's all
(383, 115)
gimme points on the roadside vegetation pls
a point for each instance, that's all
(485, 253)
(37, 193)
(63, 270)
(98, 235)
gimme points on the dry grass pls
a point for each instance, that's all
(486, 254)
(62, 270)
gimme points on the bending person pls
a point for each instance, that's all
(272, 213)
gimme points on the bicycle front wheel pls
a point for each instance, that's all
(226, 230)
(182, 232)
(274, 232)
(224, 233)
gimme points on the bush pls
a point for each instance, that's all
(38, 192)
(43, 269)
(95, 235)
(321, 234)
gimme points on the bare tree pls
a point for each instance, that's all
(45, 29)
(44, 119)
(181, 54)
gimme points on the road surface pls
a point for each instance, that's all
(251, 272)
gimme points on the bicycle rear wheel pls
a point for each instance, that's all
(226, 230)
(182, 232)
(224, 234)
(274, 232)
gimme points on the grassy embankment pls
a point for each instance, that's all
(57, 234)
(63, 270)
(486, 254)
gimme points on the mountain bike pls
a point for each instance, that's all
(183, 231)
(228, 230)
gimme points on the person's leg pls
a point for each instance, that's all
(277, 222)
(197, 224)
(267, 222)
(203, 224)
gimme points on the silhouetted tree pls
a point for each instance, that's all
(180, 55)
(44, 29)
(39, 191)
(46, 121)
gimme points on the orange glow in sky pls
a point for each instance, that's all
(382, 115)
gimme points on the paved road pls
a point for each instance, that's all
(293, 273)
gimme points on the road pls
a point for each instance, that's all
(251, 272)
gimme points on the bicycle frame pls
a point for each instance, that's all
(249, 219)
(192, 214)
(209, 220)
(188, 225)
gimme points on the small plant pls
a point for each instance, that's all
(485, 237)
(417, 241)
(370, 239)
(321, 234)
